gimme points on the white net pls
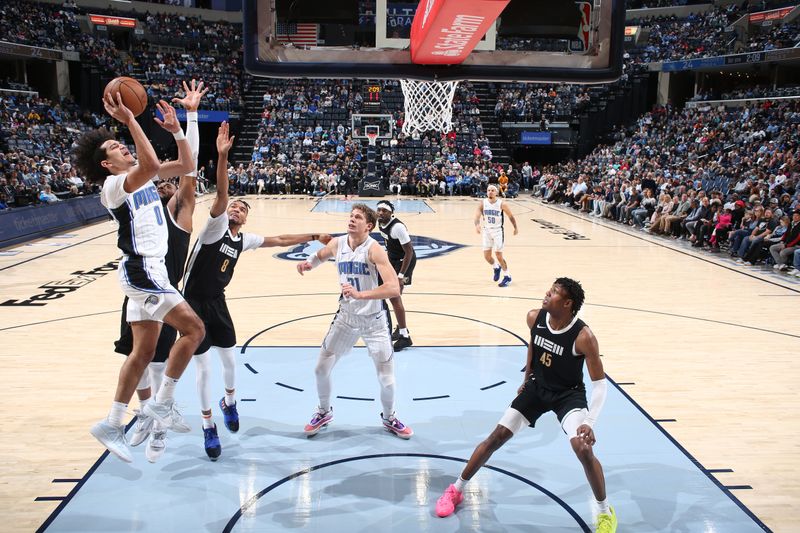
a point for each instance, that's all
(428, 105)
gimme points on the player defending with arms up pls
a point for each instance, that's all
(493, 210)
(362, 313)
(560, 343)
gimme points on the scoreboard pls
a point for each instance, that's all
(372, 96)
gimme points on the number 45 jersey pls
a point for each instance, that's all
(355, 268)
(214, 258)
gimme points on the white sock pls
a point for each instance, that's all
(404, 332)
(144, 402)
(230, 398)
(603, 506)
(117, 412)
(228, 358)
(156, 371)
(208, 422)
(505, 273)
(496, 265)
(167, 391)
(459, 484)
(203, 367)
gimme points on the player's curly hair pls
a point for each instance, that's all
(574, 292)
(87, 155)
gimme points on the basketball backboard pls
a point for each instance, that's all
(364, 123)
(532, 40)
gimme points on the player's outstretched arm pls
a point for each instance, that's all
(224, 143)
(147, 161)
(318, 258)
(510, 215)
(292, 239)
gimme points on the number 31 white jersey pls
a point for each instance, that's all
(355, 268)
(492, 215)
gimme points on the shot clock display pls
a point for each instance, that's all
(372, 96)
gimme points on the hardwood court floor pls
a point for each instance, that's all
(697, 339)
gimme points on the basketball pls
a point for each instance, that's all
(133, 94)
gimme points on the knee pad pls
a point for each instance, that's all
(386, 373)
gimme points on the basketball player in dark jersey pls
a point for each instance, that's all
(209, 271)
(560, 343)
(179, 203)
(403, 260)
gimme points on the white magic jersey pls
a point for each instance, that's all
(355, 268)
(140, 215)
(492, 214)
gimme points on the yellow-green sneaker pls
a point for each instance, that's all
(607, 522)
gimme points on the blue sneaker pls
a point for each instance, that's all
(496, 274)
(213, 447)
(506, 281)
(231, 416)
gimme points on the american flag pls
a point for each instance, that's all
(297, 33)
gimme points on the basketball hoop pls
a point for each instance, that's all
(372, 137)
(428, 105)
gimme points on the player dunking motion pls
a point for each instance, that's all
(131, 197)
(179, 206)
(209, 271)
(493, 210)
(403, 260)
(362, 313)
(560, 343)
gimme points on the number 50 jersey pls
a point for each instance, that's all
(493, 215)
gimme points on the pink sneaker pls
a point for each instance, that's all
(318, 422)
(393, 425)
(446, 504)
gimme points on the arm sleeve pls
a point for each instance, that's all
(113, 194)
(400, 232)
(599, 390)
(214, 230)
(250, 241)
(193, 136)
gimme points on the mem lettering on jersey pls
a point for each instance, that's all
(351, 268)
(548, 345)
(229, 251)
(145, 197)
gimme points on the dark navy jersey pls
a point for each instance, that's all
(556, 365)
(178, 249)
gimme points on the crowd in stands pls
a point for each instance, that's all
(746, 93)
(35, 145)
(521, 102)
(718, 178)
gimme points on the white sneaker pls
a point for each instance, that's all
(780, 267)
(167, 414)
(113, 438)
(156, 446)
(142, 428)
(793, 272)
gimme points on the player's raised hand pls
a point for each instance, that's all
(224, 139)
(117, 109)
(170, 120)
(194, 93)
(303, 267)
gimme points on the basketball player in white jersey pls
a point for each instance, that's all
(179, 204)
(131, 197)
(492, 211)
(209, 271)
(362, 313)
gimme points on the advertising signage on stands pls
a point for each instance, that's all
(103, 20)
(535, 137)
(769, 16)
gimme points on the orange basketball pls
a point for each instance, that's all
(134, 97)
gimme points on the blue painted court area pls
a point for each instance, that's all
(343, 206)
(355, 477)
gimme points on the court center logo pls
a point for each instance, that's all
(424, 247)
